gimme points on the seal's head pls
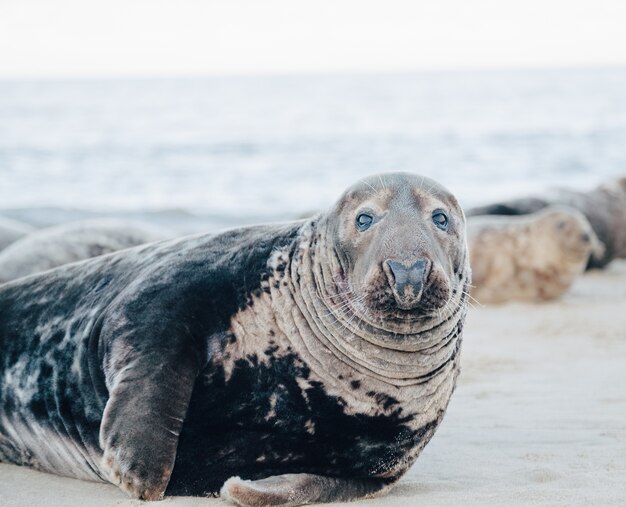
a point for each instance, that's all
(400, 243)
(564, 235)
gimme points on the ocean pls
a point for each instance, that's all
(217, 151)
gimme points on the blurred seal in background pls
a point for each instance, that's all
(62, 244)
(534, 257)
(604, 207)
(12, 230)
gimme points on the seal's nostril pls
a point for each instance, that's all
(402, 277)
(585, 237)
(417, 272)
(399, 272)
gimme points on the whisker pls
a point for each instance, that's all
(369, 185)
(473, 299)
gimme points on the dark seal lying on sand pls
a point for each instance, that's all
(604, 207)
(283, 364)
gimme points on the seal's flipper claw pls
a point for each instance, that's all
(257, 493)
(289, 490)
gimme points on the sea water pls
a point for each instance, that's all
(258, 148)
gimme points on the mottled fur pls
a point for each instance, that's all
(532, 257)
(54, 246)
(604, 207)
(271, 356)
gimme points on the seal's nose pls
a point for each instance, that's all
(407, 281)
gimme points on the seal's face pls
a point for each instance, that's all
(568, 232)
(400, 241)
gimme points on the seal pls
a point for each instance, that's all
(11, 231)
(283, 364)
(529, 258)
(54, 246)
(604, 207)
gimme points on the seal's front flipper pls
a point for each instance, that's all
(299, 489)
(142, 419)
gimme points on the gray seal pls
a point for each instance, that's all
(12, 230)
(62, 244)
(283, 364)
(604, 207)
(532, 258)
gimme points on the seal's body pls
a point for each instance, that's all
(604, 207)
(313, 359)
(63, 244)
(530, 258)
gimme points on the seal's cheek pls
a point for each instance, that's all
(453, 256)
(364, 274)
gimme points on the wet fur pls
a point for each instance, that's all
(183, 363)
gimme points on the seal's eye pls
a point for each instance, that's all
(440, 219)
(363, 221)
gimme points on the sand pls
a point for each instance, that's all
(539, 416)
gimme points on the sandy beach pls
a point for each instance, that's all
(538, 418)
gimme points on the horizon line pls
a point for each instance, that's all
(313, 72)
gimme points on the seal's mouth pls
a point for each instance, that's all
(405, 293)
(376, 316)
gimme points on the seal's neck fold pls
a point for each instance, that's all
(400, 353)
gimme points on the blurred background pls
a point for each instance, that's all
(206, 114)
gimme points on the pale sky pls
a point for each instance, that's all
(102, 38)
